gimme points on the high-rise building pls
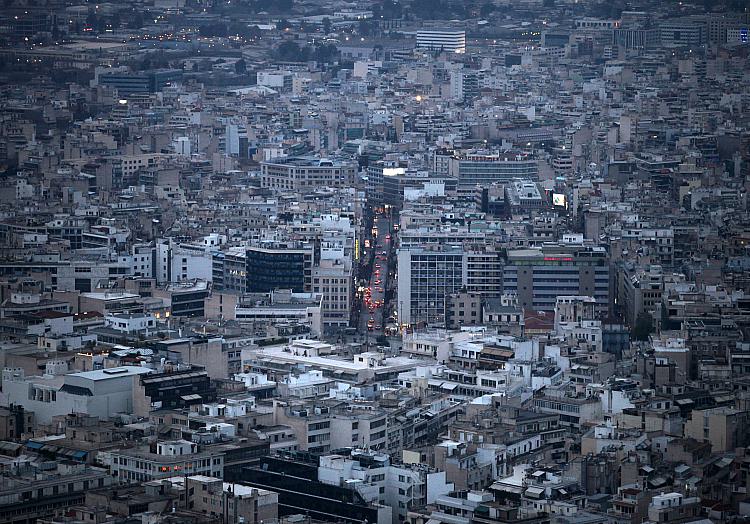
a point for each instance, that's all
(426, 275)
(485, 168)
(136, 83)
(539, 275)
(270, 268)
(682, 33)
(445, 40)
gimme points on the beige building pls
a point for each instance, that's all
(232, 502)
(463, 309)
(725, 428)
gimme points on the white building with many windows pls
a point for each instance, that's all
(446, 40)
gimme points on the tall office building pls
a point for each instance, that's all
(684, 32)
(539, 275)
(278, 267)
(426, 275)
(130, 83)
(484, 168)
(446, 40)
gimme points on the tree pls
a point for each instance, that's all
(136, 22)
(486, 10)
(283, 24)
(549, 3)
(92, 20)
(240, 67)
(213, 29)
(288, 50)
(326, 25)
(365, 28)
(644, 326)
(390, 9)
(325, 53)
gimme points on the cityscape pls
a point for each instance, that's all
(374, 262)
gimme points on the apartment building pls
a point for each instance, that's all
(725, 428)
(574, 410)
(218, 499)
(306, 175)
(463, 309)
(163, 460)
(372, 475)
(102, 393)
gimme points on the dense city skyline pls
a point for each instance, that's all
(384, 262)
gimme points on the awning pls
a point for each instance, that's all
(534, 492)
(724, 462)
(190, 398)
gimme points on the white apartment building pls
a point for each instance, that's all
(371, 474)
(101, 393)
(435, 344)
(179, 262)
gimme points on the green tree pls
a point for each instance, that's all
(644, 326)
(549, 3)
(365, 28)
(325, 54)
(136, 21)
(486, 10)
(240, 67)
(283, 24)
(92, 20)
(288, 50)
(326, 25)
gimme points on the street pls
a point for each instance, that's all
(374, 315)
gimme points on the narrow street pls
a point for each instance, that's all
(374, 316)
